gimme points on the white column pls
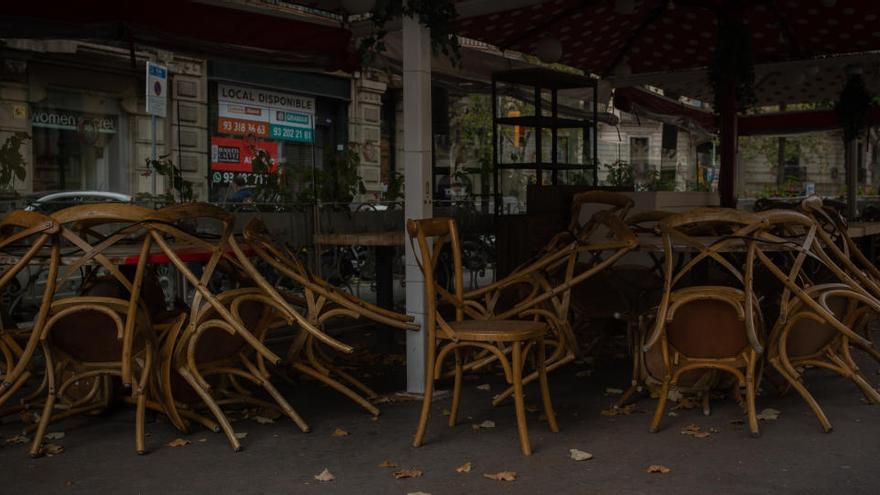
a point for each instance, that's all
(417, 163)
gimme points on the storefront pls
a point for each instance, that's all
(298, 119)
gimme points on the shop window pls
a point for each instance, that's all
(73, 150)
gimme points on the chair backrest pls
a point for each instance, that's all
(168, 228)
(316, 289)
(85, 248)
(803, 240)
(617, 203)
(25, 236)
(443, 232)
(731, 230)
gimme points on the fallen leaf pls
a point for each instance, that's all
(714, 430)
(532, 408)
(686, 403)
(674, 395)
(203, 440)
(694, 431)
(388, 464)
(178, 442)
(502, 476)
(54, 435)
(447, 412)
(658, 468)
(51, 449)
(618, 411)
(672, 413)
(769, 414)
(17, 439)
(241, 435)
(487, 424)
(339, 432)
(484, 386)
(464, 468)
(579, 455)
(263, 420)
(325, 475)
(407, 473)
(613, 391)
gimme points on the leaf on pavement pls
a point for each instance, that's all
(17, 439)
(339, 432)
(579, 455)
(464, 468)
(658, 468)
(263, 420)
(51, 449)
(484, 386)
(54, 435)
(178, 442)
(502, 476)
(325, 475)
(769, 414)
(241, 435)
(407, 473)
(487, 424)
(388, 464)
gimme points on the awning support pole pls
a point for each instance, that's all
(417, 163)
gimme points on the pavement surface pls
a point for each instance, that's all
(791, 456)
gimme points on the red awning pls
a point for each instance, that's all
(662, 36)
(187, 26)
(641, 102)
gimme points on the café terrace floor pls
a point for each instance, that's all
(792, 454)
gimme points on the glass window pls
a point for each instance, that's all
(72, 149)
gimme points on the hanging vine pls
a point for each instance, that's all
(733, 63)
(439, 16)
(853, 106)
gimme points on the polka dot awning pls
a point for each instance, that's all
(608, 37)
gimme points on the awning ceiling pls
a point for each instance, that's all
(648, 36)
(185, 25)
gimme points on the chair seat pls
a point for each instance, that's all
(498, 330)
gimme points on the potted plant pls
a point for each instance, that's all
(12, 164)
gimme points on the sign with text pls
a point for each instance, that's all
(279, 116)
(236, 155)
(157, 90)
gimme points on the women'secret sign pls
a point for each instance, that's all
(265, 114)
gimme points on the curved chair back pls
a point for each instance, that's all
(25, 237)
(617, 203)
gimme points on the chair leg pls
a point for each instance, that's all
(339, 387)
(13, 388)
(285, 406)
(426, 402)
(48, 407)
(456, 389)
(215, 409)
(532, 377)
(519, 402)
(750, 401)
(545, 386)
(806, 395)
(661, 405)
(139, 420)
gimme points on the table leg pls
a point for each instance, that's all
(385, 288)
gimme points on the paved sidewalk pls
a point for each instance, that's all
(791, 456)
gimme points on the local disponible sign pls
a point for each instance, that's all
(157, 90)
(266, 114)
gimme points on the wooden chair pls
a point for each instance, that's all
(445, 337)
(106, 331)
(814, 327)
(542, 290)
(24, 238)
(708, 326)
(321, 302)
(221, 336)
(617, 203)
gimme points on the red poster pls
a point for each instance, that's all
(236, 154)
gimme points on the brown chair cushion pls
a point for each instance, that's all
(90, 336)
(707, 329)
(807, 337)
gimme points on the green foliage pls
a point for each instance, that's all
(440, 16)
(338, 182)
(394, 189)
(12, 162)
(654, 181)
(620, 174)
(698, 186)
(174, 178)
